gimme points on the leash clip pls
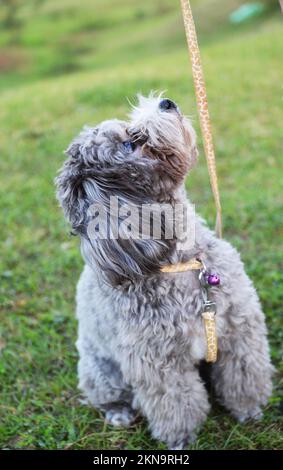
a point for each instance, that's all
(209, 310)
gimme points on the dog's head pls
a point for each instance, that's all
(140, 162)
(168, 138)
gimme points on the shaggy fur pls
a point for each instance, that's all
(141, 334)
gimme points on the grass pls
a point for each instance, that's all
(74, 65)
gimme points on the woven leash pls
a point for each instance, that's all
(201, 98)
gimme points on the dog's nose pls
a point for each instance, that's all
(167, 105)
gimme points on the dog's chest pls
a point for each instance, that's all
(169, 316)
(194, 338)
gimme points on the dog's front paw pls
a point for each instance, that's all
(254, 413)
(121, 417)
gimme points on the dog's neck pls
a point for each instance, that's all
(134, 259)
(187, 246)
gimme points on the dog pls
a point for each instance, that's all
(141, 333)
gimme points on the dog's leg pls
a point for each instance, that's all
(175, 403)
(101, 382)
(242, 373)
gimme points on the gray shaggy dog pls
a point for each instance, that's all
(141, 333)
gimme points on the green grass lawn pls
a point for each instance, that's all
(69, 65)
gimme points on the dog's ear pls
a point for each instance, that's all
(124, 260)
(120, 259)
(71, 189)
(70, 192)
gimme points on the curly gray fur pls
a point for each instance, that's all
(141, 334)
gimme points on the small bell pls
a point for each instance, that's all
(212, 279)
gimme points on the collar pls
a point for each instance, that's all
(193, 264)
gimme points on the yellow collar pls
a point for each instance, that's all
(208, 317)
(192, 264)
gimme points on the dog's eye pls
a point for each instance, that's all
(129, 146)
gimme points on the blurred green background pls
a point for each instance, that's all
(67, 63)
